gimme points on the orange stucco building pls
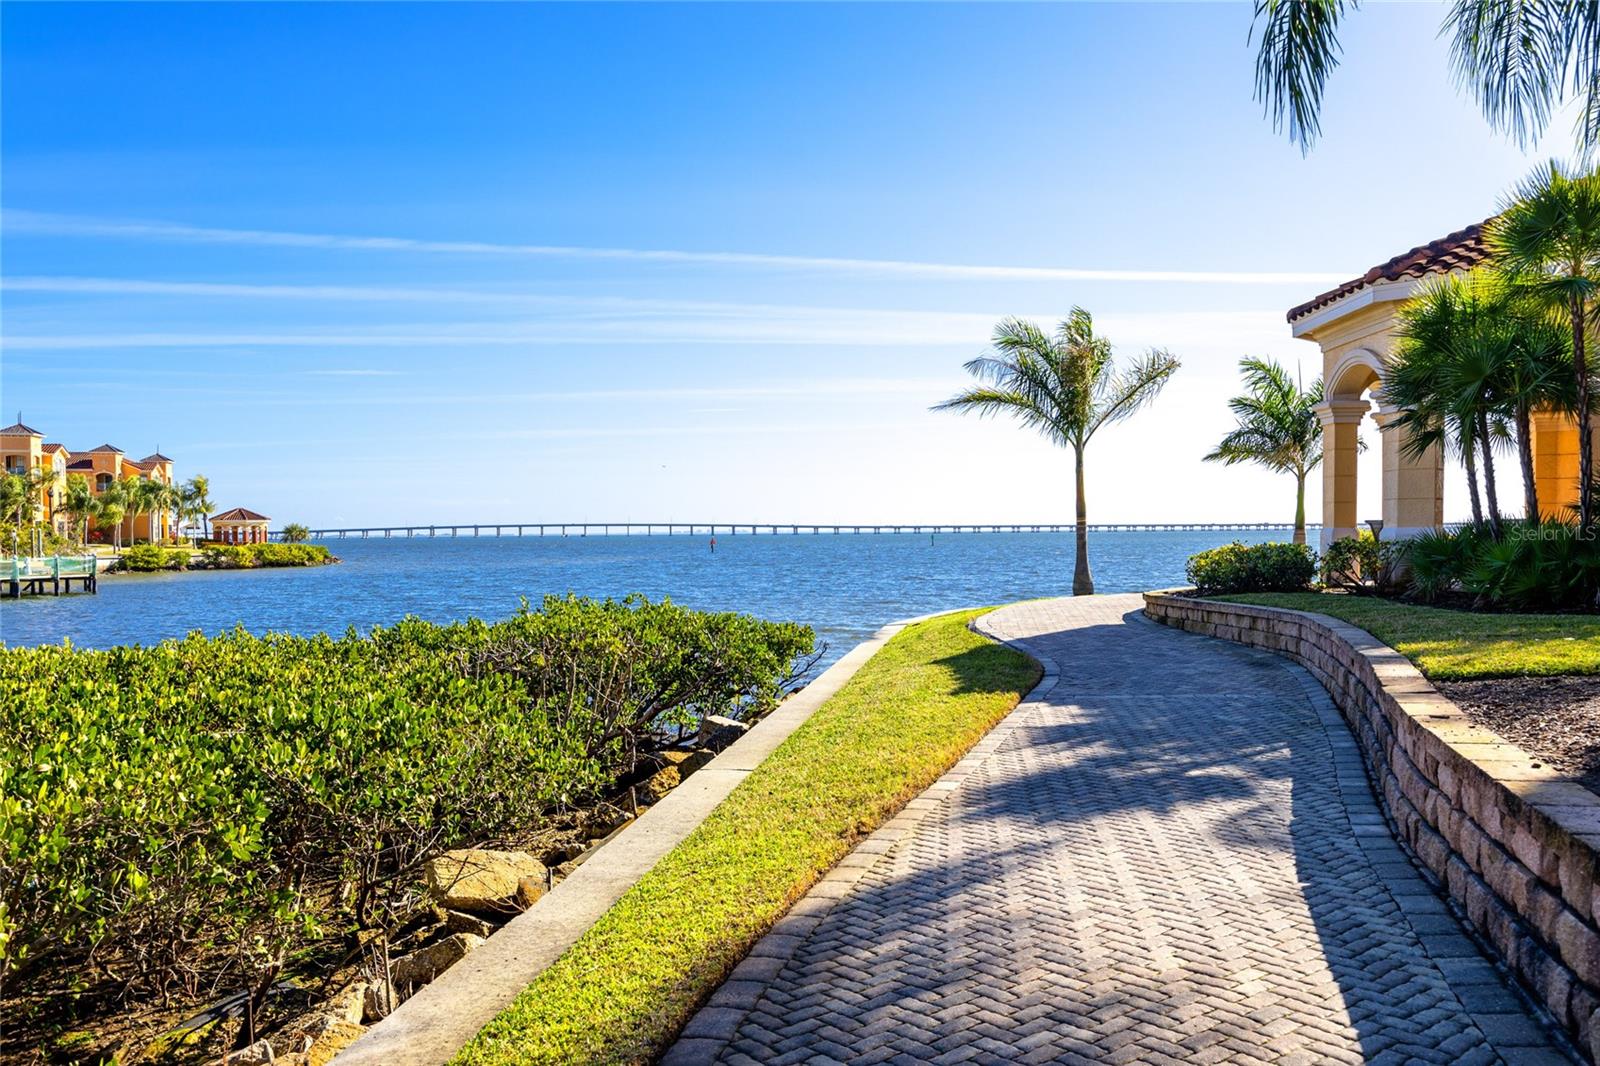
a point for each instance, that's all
(24, 449)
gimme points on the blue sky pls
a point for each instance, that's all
(410, 263)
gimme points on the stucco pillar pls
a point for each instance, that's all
(1341, 425)
(1413, 487)
(1555, 462)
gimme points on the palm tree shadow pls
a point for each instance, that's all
(1160, 851)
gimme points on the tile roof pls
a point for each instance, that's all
(108, 448)
(240, 514)
(155, 457)
(53, 447)
(20, 430)
(1455, 251)
(81, 464)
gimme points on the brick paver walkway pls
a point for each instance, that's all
(1170, 854)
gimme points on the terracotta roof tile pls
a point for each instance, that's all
(240, 514)
(1460, 250)
(20, 430)
(155, 457)
(52, 448)
(108, 448)
(81, 464)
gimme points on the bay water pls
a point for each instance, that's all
(845, 585)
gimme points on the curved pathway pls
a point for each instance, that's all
(1168, 854)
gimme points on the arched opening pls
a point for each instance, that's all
(1404, 492)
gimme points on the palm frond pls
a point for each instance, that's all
(1125, 391)
(1299, 48)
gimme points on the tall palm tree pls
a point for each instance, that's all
(79, 502)
(1067, 386)
(197, 491)
(1548, 240)
(1520, 59)
(1278, 428)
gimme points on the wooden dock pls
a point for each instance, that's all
(672, 529)
(50, 576)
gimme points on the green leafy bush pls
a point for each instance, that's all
(1237, 567)
(195, 813)
(147, 557)
(1362, 564)
(246, 556)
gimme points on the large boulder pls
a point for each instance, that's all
(479, 881)
(718, 731)
(424, 964)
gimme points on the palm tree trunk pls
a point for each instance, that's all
(1491, 495)
(1082, 582)
(1300, 508)
(1469, 453)
(1585, 437)
(1530, 490)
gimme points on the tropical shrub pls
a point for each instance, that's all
(147, 557)
(1536, 565)
(296, 533)
(1238, 567)
(246, 556)
(1362, 564)
(192, 815)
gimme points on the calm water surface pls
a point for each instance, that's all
(844, 585)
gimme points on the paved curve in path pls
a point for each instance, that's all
(1169, 854)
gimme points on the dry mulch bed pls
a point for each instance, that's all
(1555, 718)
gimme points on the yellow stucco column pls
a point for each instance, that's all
(1413, 487)
(1341, 424)
(1555, 462)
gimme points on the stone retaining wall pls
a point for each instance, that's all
(1515, 844)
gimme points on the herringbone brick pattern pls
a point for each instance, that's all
(1168, 855)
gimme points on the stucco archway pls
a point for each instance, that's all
(1413, 485)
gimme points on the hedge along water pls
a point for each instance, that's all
(188, 817)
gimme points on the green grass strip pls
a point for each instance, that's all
(1449, 645)
(624, 990)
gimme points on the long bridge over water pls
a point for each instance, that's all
(713, 529)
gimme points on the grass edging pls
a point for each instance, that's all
(1453, 645)
(627, 986)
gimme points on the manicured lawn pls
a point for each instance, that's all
(1451, 645)
(621, 993)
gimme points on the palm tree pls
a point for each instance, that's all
(1548, 241)
(1278, 428)
(197, 493)
(296, 533)
(1472, 361)
(1519, 59)
(110, 512)
(25, 494)
(1067, 386)
(80, 503)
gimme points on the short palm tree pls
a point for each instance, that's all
(1471, 363)
(1278, 428)
(1548, 240)
(26, 494)
(1066, 385)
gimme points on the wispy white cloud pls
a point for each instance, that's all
(698, 324)
(42, 223)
